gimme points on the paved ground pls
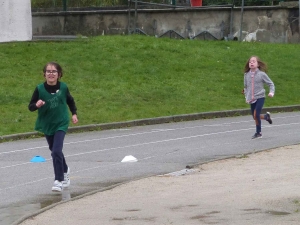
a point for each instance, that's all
(261, 188)
(95, 157)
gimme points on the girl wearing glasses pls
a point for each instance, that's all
(52, 100)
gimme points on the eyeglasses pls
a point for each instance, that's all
(51, 71)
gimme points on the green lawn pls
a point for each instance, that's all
(121, 78)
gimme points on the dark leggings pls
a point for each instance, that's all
(256, 110)
(56, 143)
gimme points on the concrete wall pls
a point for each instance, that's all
(15, 20)
(275, 24)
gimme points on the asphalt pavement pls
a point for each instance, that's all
(161, 147)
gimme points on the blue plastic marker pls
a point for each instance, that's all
(37, 158)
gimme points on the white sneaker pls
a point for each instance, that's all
(66, 182)
(57, 186)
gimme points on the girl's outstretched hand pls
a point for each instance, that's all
(74, 118)
(271, 95)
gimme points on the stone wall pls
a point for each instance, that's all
(276, 24)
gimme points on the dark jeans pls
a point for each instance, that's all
(256, 110)
(56, 143)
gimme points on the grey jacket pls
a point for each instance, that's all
(254, 85)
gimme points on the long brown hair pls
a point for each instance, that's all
(261, 65)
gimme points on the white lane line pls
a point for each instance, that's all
(107, 167)
(157, 142)
(121, 136)
(174, 139)
(25, 149)
(27, 183)
(107, 138)
(141, 133)
(161, 141)
(22, 164)
(136, 145)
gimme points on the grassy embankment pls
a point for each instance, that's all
(121, 78)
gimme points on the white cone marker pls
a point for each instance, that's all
(129, 158)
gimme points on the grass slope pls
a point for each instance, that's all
(120, 78)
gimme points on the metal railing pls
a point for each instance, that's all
(69, 5)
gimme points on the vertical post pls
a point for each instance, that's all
(135, 15)
(241, 26)
(231, 20)
(64, 5)
(129, 5)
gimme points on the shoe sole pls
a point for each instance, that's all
(66, 185)
(56, 190)
(256, 138)
(270, 120)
